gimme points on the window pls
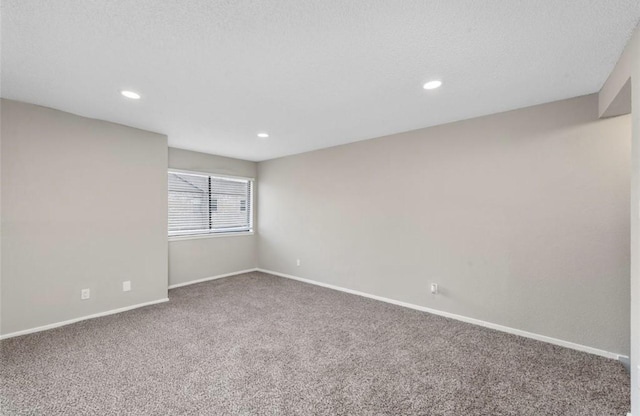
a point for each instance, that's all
(204, 204)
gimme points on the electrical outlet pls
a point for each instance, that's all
(434, 288)
(126, 286)
(297, 262)
(85, 294)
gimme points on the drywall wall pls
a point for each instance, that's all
(199, 258)
(616, 97)
(634, 47)
(611, 102)
(522, 218)
(84, 205)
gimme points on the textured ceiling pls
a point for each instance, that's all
(312, 73)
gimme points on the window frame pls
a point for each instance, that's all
(214, 234)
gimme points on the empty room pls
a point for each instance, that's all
(296, 207)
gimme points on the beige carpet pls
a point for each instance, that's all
(256, 344)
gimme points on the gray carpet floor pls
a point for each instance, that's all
(257, 344)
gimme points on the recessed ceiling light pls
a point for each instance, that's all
(432, 85)
(263, 135)
(130, 94)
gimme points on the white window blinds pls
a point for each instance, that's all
(204, 204)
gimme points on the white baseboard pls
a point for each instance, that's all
(82, 318)
(474, 321)
(206, 279)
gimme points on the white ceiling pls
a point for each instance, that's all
(312, 73)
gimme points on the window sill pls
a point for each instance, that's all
(212, 235)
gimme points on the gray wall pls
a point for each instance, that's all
(84, 205)
(206, 257)
(634, 48)
(521, 217)
(619, 94)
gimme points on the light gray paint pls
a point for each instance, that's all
(616, 97)
(84, 205)
(206, 257)
(609, 94)
(621, 105)
(521, 217)
(634, 47)
(313, 73)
